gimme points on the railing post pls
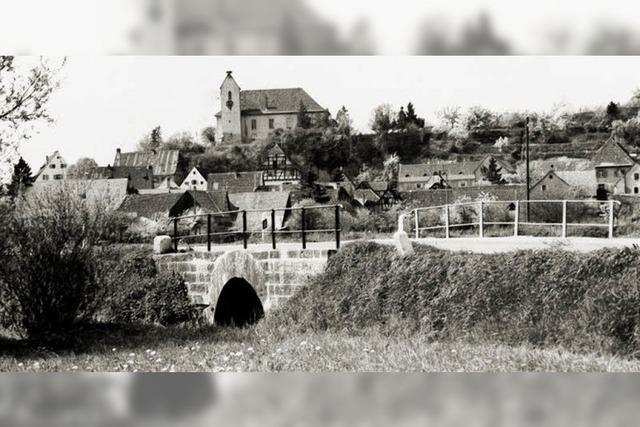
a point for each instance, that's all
(611, 218)
(417, 212)
(245, 238)
(304, 226)
(481, 219)
(175, 234)
(337, 227)
(209, 232)
(516, 219)
(273, 229)
(446, 221)
(564, 219)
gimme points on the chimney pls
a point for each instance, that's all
(229, 73)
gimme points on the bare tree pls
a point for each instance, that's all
(25, 90)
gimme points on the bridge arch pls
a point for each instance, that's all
(230, 274)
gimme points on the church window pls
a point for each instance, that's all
(229, 95)
(271, 123)
(254, 124)
(636, 176)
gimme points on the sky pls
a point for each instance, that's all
(106, 103)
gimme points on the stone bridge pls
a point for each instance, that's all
(274, 275)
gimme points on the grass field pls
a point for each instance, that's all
(265, 349)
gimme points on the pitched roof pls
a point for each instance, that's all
(109, 191)
(48, 159)
(407, 172)
(266, 200)
(140, 177)
(366, 195)
(612, 153)
(151, 205)
(214, 201)
(269, 101)
(234, 182)
(164, 162)
(580, 179)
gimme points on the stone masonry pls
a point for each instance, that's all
(275, 274)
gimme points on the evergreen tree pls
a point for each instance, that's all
(493, 172)
(612, 111)
(412, 117)
(21, 179)
(401, 120)
(304, 120)
(156, 138)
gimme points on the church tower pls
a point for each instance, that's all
(229, 120)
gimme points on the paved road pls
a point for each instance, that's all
(472, 244)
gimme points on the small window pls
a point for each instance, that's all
(52, 166)
(551, 176)
(417, 185)
(544, 188)
(57, 177)
(63, 166)
(462, 184)
(635, 190)
(636, 176)
(229, 96)
(604, 174)
(271, 124)
(45, 177)
(254, 124)
(265, 224)
(194, 182)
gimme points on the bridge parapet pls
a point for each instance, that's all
(276, 275)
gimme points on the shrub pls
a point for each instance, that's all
(549, 297)
(47, 270)
(135, 293)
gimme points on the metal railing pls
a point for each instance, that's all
(235, 233)
(474, 214)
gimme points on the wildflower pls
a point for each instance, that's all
(132, 355)
(113, 350)
(74, 367)
(318, 348)
(303, 343)
(250, 350)
(20, 365)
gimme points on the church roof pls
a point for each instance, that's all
(164, 162)
(277, 101)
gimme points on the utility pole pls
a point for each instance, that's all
(528, 178)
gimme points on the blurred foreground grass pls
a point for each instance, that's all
(265, 348)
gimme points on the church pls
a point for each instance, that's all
(250, 115)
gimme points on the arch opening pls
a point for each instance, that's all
(238, 304)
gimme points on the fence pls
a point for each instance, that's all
(517, 216)
(241, 229)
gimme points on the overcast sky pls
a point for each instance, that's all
(110, 102)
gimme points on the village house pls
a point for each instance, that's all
(195, 181)
(615, 168)
(278, 171)
(166, 165)
(437, 175)
(153, 212)
(140, 178)
(106, 194)
(235, 182)
(249, 115)
(264, 201)
(561, 184)
(54, 168)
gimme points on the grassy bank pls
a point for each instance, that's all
(585, 302)
(265, 349)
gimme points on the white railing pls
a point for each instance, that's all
(479, 214)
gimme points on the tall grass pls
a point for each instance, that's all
(583, 302)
